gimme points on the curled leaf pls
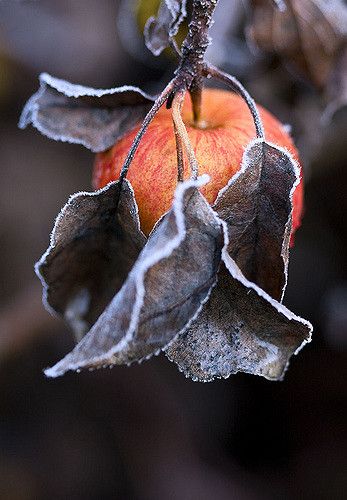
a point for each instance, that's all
(95, 242)
(95, 118)
(160, 30)
(257, 206)
(171, 279)
(241, 328)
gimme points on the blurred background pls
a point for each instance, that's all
(146, 432)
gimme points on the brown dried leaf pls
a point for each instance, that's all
(161, 29)
(239, 329)
(94, 244)
(95, 118)
(308, 34)
(257, 207)
(171, 279)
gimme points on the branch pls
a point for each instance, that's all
(235, 85)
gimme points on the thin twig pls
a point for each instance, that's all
(149, 117)
(233, 83)
(181, 130)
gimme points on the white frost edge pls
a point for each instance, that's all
(280, 5)
(52, 238)
(139, 271)
(244, 167)
(76, 90)
(31, 108)
(236, 273)
(182, 14)
(148, 43)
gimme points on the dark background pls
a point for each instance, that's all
(146, 432)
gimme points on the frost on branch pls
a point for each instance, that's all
(95, 118)
(160, 30)
(257, 207)
(241, 328)
(94, 244)
(165, 290)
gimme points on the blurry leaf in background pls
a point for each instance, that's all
(131, 20)
(310, 36)
(160, 31)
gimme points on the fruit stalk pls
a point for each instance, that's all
(188, 76)
(163, 97)
(181, 131)
(237, 87)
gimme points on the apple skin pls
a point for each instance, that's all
(218, 146)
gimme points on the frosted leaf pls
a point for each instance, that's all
(95, 118)
(95, 241)
(257, 207)
(240, 329)
(165, 290)
(161, 29)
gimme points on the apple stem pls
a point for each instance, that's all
(189, 77)
(179, 148)
(237, 86)
(195, 94)
(182, 133)
(147, 120)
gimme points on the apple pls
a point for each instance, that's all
(225, 129)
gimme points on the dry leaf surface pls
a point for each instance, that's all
(257, 206)
(171, 279)
(94, 244)
(240, 329)
(95, 118)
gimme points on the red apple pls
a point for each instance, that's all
(227, 127)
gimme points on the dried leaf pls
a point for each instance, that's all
(94, 244)
(171, 279)
(241, 328)
(308, 34)
(95, 118)
(161, 29)
(257, 206)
